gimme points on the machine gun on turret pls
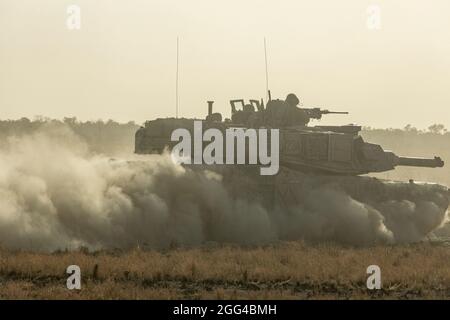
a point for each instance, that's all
(316, 113)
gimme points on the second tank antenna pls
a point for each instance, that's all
(267, 72)
(176, 81)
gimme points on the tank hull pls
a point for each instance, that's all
(289, 187)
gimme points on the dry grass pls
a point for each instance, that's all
(284, 271)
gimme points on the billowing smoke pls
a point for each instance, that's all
(55, 195)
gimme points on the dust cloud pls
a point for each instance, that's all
(55, 194)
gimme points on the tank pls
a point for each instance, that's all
(336, 150)
(308, 156)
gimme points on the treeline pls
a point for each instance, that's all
(108, 137)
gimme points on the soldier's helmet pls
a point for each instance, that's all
(292, 100)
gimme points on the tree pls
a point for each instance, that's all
(410, 128)
(437, 129)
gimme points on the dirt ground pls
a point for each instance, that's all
(288, 270)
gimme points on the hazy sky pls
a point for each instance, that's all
(121, 63)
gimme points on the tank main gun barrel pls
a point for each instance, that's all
(333, 112)
(316, 113)
(420, 162)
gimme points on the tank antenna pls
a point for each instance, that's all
(267, 72)
(176, 81)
